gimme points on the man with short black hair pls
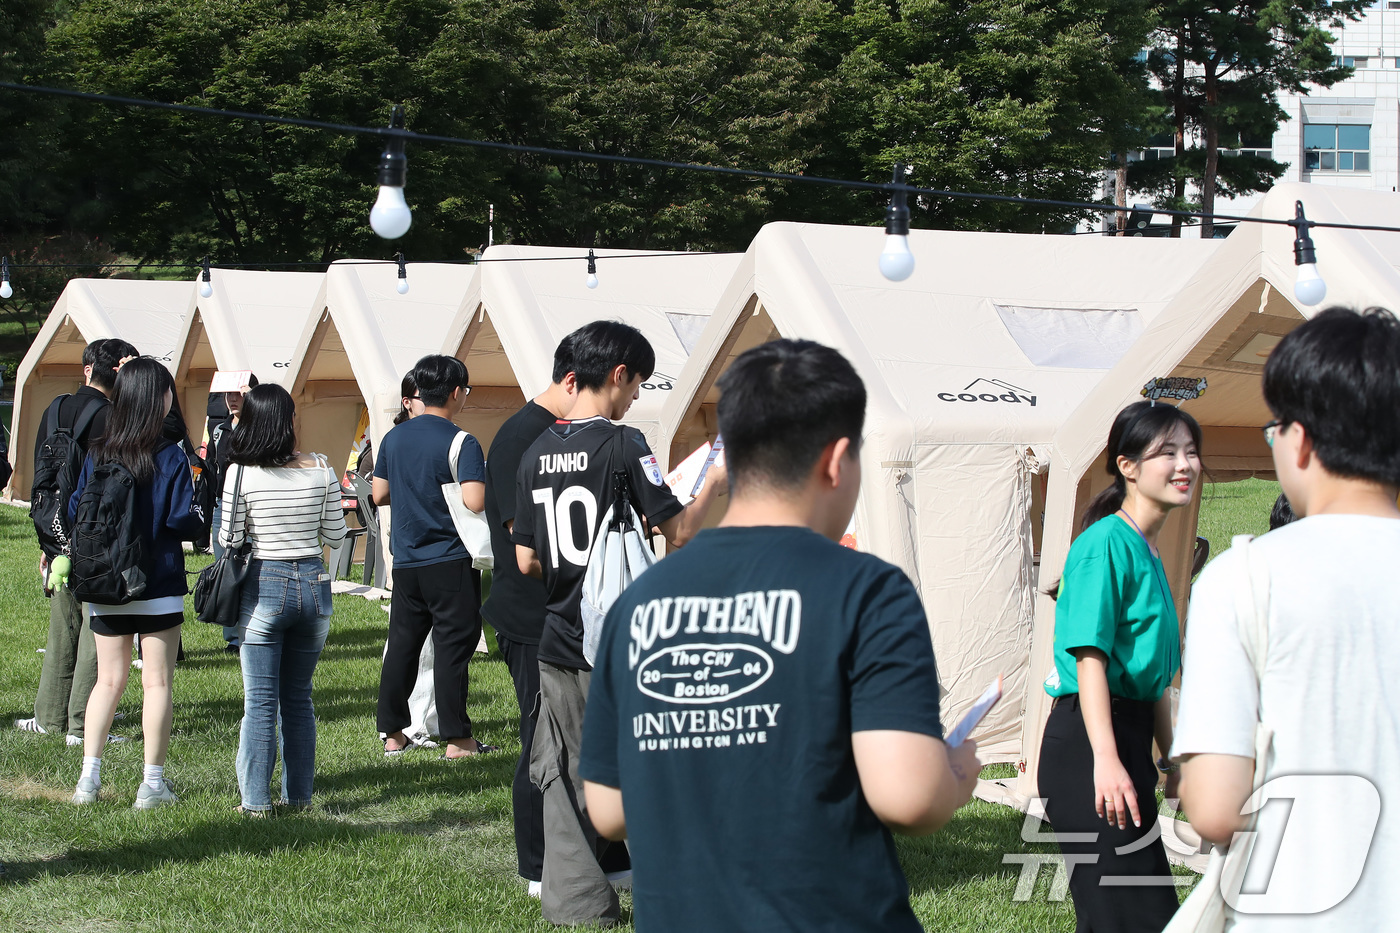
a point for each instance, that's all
(1329, 647)
(69, 669)
(764, 709)
(515, 607)
(435, 589)
(564, 490)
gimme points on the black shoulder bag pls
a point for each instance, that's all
(219, 587)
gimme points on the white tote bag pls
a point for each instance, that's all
(619, 555)
(471, 526)
(1205, 910)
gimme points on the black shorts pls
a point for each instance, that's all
(135, 624)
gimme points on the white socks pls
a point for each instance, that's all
(155, 774)
(92, 768)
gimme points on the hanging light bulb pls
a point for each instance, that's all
(1308, 287)
(6, 289)
(402, 287)
(390, 216)
(206, 287)
(896, 262)
(592, 280)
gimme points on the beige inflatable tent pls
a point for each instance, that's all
(253, 320)
(971, 366)
(1221, 327)
(151, 315)
(363, 338)
(528, 298)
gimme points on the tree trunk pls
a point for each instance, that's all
(1212, 126)
(1120, 192)
(1179, 107)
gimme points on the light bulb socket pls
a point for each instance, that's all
(393, 164)
(4, 268)
(403, 265)
(897, 214)
(205, 276)
(1304, 253)
(592, 263)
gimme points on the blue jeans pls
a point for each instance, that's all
(282, 624)
(230, 631)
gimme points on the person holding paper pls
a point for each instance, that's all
(1117, 648)
(764, 709)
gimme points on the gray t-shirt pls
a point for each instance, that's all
(1331, 693)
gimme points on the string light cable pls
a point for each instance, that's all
(393, 167)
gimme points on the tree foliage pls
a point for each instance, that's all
(1023, 98)
(1221, 65)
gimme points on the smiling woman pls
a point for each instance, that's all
(1117, 648)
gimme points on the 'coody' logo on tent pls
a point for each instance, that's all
(991, 390)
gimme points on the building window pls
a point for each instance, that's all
(1161, 146)
(1351, 61)
(1245, 144)
(1328, 147)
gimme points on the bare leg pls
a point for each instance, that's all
(113, 665)
(157, 709)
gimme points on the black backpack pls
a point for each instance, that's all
(56, 470)
(106, 541)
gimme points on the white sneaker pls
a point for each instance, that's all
(76, 740)
(86, 791)
(136, 663)
(533, 889)
(30, 725)
(621, 880)
(148, 798)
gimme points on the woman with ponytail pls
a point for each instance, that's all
(1117, 648)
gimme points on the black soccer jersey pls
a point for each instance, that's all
(563, 492)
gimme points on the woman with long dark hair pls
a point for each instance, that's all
(1117, 648)
(287, 506)
(166, 516)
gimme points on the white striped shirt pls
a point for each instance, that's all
(286, 512)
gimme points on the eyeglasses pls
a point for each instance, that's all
(1271, 431)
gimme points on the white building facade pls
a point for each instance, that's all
(1347, 135)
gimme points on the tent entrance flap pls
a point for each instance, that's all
(975, 537)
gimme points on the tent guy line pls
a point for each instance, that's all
(398, 135)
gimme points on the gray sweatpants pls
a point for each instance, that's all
(573, 888)
(69, 670)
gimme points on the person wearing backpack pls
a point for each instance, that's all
(286, 505)
(564, 491)
(132, 509)
(67, 428)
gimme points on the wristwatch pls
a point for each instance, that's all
(1166, 766)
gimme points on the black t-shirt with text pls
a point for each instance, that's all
(564, 488)
(515, 607)
(729, 679)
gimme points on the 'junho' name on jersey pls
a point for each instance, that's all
(563, 463)
(774, 616)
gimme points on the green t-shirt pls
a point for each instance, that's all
(1114, 597)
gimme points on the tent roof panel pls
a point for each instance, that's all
(412, 325)
(254, 320)
(646, 290)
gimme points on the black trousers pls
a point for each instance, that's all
(443, 599)
(1145, 899)
(527, 800)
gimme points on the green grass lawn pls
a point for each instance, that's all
(407, 844)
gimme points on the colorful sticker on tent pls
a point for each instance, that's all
(653, 470)
(1183, 388)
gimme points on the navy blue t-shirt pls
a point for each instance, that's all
(413, 458)
(728, 682)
